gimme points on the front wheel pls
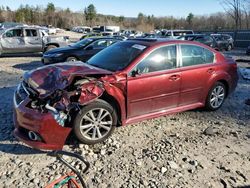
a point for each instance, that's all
(216, 96)
(50, 47)
(95, 122)
(71, 59)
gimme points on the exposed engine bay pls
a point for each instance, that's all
(60, 95)
(64, 102)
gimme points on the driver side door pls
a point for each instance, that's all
(156, 86)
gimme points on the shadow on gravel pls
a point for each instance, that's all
(28, 66)
(23, 55)
(18, 149)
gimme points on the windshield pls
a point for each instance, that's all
(82, 43)
(117, 57)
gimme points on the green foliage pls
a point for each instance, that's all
(190, 18)
(90, 13)
(50, 8)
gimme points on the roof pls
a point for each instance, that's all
(152, 41)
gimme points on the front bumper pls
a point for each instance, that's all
(53, 136)
(51, 60)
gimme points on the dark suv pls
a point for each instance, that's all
(225, 37)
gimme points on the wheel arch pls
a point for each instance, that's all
(68, 56)
(52, 44)
(225, 83)
(114, 103)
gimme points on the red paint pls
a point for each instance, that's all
(139, 98)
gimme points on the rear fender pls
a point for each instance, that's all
(220, 75)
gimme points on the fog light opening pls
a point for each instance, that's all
(33, 136)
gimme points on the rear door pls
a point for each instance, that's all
(156, 85)
(197, 67)
(12, 41)
(33, 40)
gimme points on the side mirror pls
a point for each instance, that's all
(134, 73)
(90, 48)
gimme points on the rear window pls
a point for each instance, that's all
(14, 33)
(195, 55)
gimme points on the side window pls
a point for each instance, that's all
(163, 58)
(109, 42)
(200, 39)
(30, 32)
(208, 39)
(99, 44)
(169, 34)
(195, 55)
(13, 33)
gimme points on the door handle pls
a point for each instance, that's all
(211, 70)
(174, 77)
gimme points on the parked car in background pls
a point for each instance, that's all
(80, 51)
(207, 40)
(28, 40)
(82, 29)
(223, 38)
(129, 81)
(173, 34)
(248, 50)
(89, 35)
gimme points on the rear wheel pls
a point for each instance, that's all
(216, 96)
(95, 122)
(229, 48)
(71, 59)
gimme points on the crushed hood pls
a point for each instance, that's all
(47, 79)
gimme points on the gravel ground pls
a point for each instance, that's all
(189, 149)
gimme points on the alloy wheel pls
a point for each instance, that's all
(96, 124)
(217, 96)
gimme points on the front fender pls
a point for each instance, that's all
(119, 97)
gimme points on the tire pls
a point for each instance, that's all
(50, 47)
(229, 48)
(86, 124)
(216, 96)
(71, 59)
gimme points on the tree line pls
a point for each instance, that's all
(235, 16)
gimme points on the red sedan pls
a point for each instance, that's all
(128, 82)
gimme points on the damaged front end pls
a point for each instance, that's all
(54, 95)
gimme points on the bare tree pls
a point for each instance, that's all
(234, 8)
